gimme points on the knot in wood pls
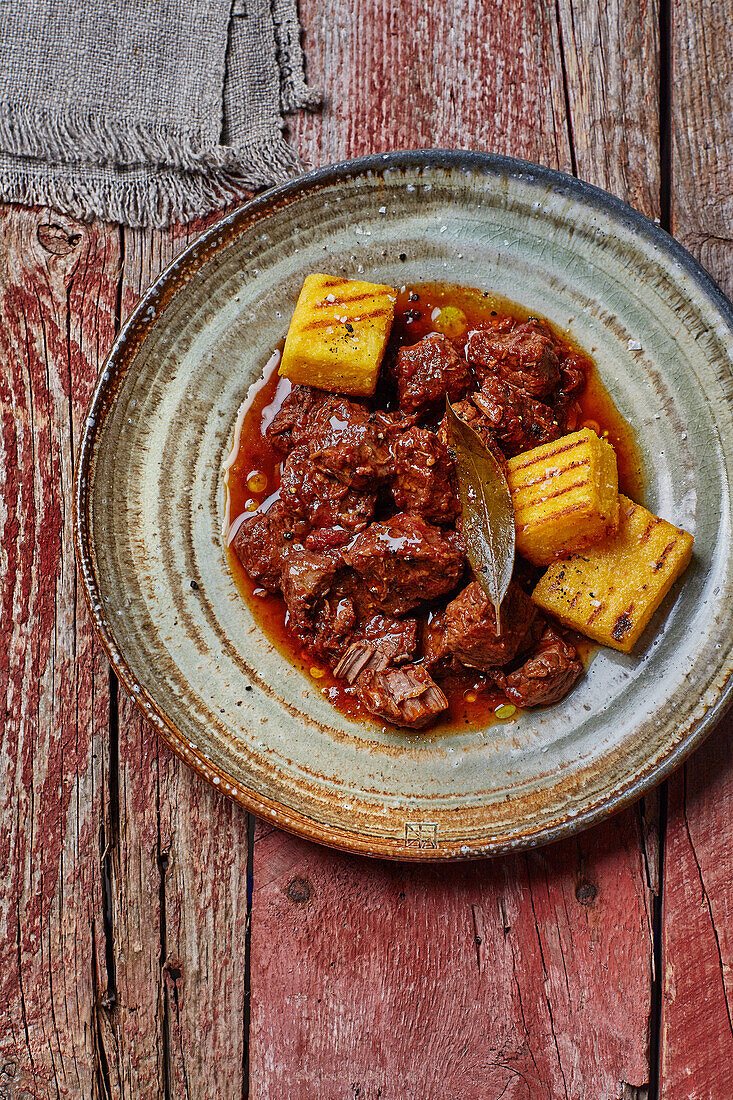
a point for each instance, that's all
(586, 893)
(57, 239)
(174, 968)
(299, 891)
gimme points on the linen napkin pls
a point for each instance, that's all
(146, 111)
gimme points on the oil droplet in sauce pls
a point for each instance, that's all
(506, 710)
(257, 481)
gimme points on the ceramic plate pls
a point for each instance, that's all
(150, 502)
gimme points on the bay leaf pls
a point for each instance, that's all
(488, 512)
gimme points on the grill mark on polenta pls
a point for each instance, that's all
(644, 536)
(333, 280)
(547, 475)
(551, 454)
(623, 625)
(369, 297)
(526, 520)
(329, 322)
(557, 493)
(569, 511)
(595, 614)
(663, 556)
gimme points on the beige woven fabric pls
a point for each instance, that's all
(146, 111)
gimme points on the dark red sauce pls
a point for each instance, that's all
(255, 475)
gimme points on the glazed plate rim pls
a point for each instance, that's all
(121, 357)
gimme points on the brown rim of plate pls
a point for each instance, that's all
(122, 354)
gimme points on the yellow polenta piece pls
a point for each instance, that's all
(565, 496)
(610, 591)
(338, 334)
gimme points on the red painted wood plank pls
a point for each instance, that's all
(178, 881)
(697, 1034)
(523, 977)
(415, 75)
(57, 302)
(515, 977)
(697, 1003)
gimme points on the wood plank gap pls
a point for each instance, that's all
(655, 1013)
(251, 823)
(666, 93)
(109, 837)
(665, 217)
(566, 90)
(162, 860)
(102, 1084)
(109, 831)
(119, 308)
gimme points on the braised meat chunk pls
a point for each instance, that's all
(470, 626)
(546, 676)
(437, 657)
(401, 563)
(306, 578)
(349, 443)
(397, 637)
(319, 611)
(406, 696)
(572, 383)
(320, 499)
(330, 629)
(376, 644)
(430, 371)
(526, 357)
(470, 414)
(517, 421)
(289, 426)
(263, 540)
(424, 479)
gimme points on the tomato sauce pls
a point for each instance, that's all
(253, 474)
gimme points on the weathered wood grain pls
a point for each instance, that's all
(57, 313)
(513, 978)
(178, 879)
(451, 75)
(525, 977)
(179, 893)
(697, 1002)
(701, 109)
(609, 54)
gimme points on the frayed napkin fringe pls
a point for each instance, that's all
(74, 136)
(86, 137)
(157, 200)
(294, 92)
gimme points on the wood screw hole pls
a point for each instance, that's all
(586, 893)
(299, 891)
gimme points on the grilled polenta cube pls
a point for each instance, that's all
(338, 334)
(610, 591)
(565, 496)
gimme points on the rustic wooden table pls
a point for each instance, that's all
(155, 941)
